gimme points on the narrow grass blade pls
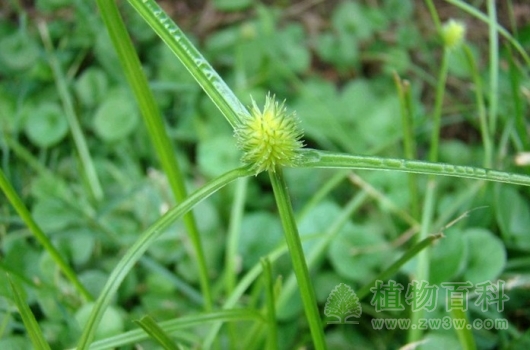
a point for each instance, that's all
(24, 154)
(140, 246)
(68, 106)
(174, 325)
(438, 103)
(297, 257)
(423, 258)
(427, 212)
(240, 289)
(518, 103)
(25, 215)
(434, 15)
(319, 250)
(380, 197)
(272, 338)
(155, 127)
(320, 159)
(392, 269)
(481, 109)
(156, 332)
(502, 31)
(32, 327)
(409, 144)
(493, 66)
(188, 291)
(236, 215)
(243, 285)
(464, 333)
(322, 192)
(195, 63)
(460, 202)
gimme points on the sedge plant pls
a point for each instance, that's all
(270, 139)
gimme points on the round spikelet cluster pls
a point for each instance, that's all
(269, 138)
(453, 34)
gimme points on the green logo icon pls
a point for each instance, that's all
(342, 304)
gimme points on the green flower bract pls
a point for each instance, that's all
(269, 138)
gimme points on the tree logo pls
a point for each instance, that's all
(342, 303)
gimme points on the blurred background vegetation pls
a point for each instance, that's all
(333, 62)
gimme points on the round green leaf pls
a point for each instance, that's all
(49, 304)
(448, 257)
(318, 221)
(212, 242)
(324, 284)
(47, 266)
(91, 87)
(260, 233)
(20, 257)
(53, 215)
(46, 125)
(401, 10)
(80, 244)
(396, 59)
(46, 186)
(353, 20)
(353, 256)
(93, 280)
(18, 51)
(513, 216)
(440, 340)
(106, 55)
(159, 284)
(218, 155)
(111, 323)
(486, 255)
(290, 49)
(291, 309)
(117, 117)
(213, 245)
(455, 152)
(342, 50)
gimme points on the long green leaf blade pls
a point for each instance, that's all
(37, 232)
(155, 127)
(171, 326)
(70, 114)
(320, 159)
(140, 246)
(272, 338)
(156, 332)
(392, 269)
(502, 31)
(294, 244)
(221, 95)
(32, 327)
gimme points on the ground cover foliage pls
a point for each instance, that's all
(364, 78)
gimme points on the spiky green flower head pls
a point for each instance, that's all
(269, 138)
(453, 34)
